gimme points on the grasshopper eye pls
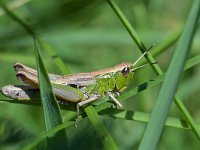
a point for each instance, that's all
(125, 71)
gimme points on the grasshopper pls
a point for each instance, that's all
(81, 88)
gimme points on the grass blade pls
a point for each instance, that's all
(104, 135)
(165, 98)
(52, 114)
(142, 117)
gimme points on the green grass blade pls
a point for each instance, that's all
(104, 135)
(165, 98)
(52, 114)
(142, 117)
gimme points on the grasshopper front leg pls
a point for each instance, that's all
(111, 96)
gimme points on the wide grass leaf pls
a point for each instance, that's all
(52, 114)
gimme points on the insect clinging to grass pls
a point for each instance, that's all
(80, 88)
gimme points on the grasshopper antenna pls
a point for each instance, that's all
(142, 66)
(142, 56)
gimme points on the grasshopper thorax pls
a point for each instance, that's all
(114, 79)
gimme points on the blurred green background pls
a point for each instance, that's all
(88, 36)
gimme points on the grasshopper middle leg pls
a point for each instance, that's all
(89, 100)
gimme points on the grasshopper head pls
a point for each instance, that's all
(123, 76)
(125, 71)
(124, 68)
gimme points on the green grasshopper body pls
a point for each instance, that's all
(82, 88)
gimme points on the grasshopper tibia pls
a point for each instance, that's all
(82, 103)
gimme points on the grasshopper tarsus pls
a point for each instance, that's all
(76, 125)
(76, 121)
